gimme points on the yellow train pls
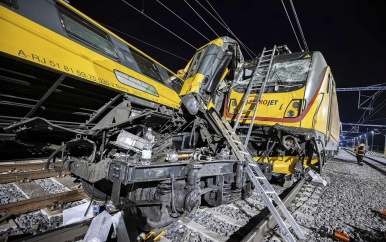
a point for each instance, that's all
(72, 86)
(67, 81)
(297, 121)
(60, 65)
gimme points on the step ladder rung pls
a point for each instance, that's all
(261, 177)
(270, 192)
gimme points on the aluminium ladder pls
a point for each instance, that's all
(262, 185)
(263, 66)
(257, 177)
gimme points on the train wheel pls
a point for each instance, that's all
(97, 192)
(142, 213)
(150, 216)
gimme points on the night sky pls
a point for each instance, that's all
(350, 35)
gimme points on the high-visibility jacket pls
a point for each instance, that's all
(360, 150)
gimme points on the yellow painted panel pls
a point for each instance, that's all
(271, 109)
(27, 40)
(286, 164)
(192, 84)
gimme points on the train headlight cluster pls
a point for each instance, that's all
(233, 106)
(293, 109)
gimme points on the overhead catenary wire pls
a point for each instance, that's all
(365, 118)
(222, 23)
(293, 29)
(158, 48)
(201, 18)
(142, 12)
(300, 28)
(183, 20)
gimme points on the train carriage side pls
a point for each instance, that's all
(58, 64)
(299, 101)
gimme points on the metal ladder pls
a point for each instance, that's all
(262, 185)
(258, 178)
(264, 64)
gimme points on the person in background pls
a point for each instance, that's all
(360, 151)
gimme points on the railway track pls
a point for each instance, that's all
(27, 170)
(32, 198)
(33, 204)
(22, 165)
(246, 220)
(374, 163)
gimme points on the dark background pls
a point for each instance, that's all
(350, 35)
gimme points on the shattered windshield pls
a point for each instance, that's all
(282, 73)
(290, 71)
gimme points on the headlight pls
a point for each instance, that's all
(233, 106)
(295, 104)
(290, 113)
(293, 109)
(191, 103)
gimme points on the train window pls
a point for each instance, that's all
(136, 83)
(84, 31)
(156, 72)
(10, 3)
(146, 66)
(282, 73)
(195, 63)
(289, 71)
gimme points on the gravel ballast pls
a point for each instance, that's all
(345, 204)
(50, 186)
(10, 193)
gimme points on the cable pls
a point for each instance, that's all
(201, 18)
(249, 51)
(158, 48)
(160, 25)
(293, 29)
(300, 28)
(363, 118)
(183, 20)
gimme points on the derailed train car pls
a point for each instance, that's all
(297, 120)
(77, 88)
(82, 90)
(297, 123)
(62, 68)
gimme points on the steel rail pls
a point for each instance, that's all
(72, 232)
(29, 175)
(262, 228)
(368, 163)
(24, 165)
(37, 203)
